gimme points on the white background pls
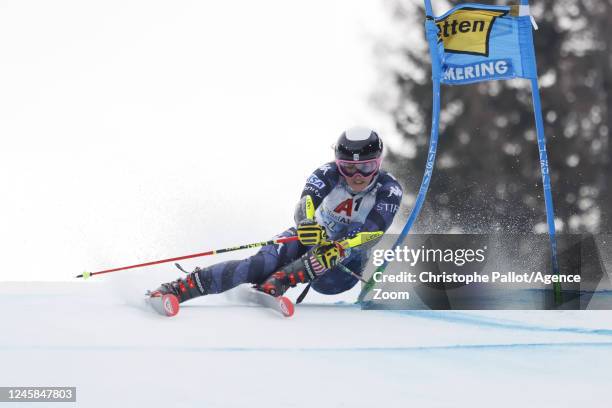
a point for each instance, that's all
(133, 130)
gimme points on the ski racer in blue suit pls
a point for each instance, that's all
(351, 195)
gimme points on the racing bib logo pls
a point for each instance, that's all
(467, 30)
(346, 206)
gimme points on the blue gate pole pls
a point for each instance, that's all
(544, 168)
(548, 201)
(431, 32)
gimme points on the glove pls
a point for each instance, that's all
(330, 254)
(310, 233)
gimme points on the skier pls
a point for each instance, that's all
(351, 195)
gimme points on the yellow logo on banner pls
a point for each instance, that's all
(467, 30)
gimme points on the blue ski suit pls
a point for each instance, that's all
(340, 211)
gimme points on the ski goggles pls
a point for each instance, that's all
(365, 167)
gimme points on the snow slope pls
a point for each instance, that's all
(220, 353)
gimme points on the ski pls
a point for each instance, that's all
(165, 305)
(168, 304)
(279, 304)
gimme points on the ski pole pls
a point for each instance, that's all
(353, 274)
(86, 275)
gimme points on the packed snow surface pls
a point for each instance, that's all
(218, 352)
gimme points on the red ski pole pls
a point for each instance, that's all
(86, 275)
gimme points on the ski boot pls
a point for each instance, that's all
(165, 299)
(302, 270)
